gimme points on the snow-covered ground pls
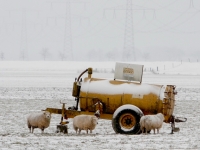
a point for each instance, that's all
(27, 87)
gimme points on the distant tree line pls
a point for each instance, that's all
(2, 57)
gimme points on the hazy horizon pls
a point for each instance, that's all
(95, 30)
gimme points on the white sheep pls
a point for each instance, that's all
(84, 122)
(39, 120)
(149, 122)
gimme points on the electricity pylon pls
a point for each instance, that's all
(128, 50)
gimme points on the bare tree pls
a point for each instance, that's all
(22, 55)
(111, 55)
(93, 55)
(2, 56)
(45, 53)
(62, 56)
(146, 56)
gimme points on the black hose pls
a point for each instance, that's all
(82, 74)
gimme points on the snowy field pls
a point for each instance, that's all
(27, 87)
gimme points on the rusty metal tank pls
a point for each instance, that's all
(112, 94)
(151, 99)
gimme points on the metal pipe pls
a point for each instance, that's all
(82, 74)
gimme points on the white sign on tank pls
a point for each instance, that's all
(130, 72)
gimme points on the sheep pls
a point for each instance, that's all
(149, 122)
(84, 122)
(39, 120)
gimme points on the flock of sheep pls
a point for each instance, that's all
(42, 119)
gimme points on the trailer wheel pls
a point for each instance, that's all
(126, 119)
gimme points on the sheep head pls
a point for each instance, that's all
(47, 115)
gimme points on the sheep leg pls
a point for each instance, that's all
(32, 129)
(154, 131)
(87, 131)
(42, 130)
(29, 126)
(157, 130)
(76, 129)
(29, 129)
(90, 131)
(79, 131)
(142, 129)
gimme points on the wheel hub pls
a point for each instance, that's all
(127, 121)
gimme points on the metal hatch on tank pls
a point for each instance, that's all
(129, 72)
(124, 100)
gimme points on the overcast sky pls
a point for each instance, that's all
(162, 29)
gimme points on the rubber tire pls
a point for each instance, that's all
(117, 127)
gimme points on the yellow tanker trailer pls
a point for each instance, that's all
(124, 100)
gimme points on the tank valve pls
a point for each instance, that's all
(89, 72)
